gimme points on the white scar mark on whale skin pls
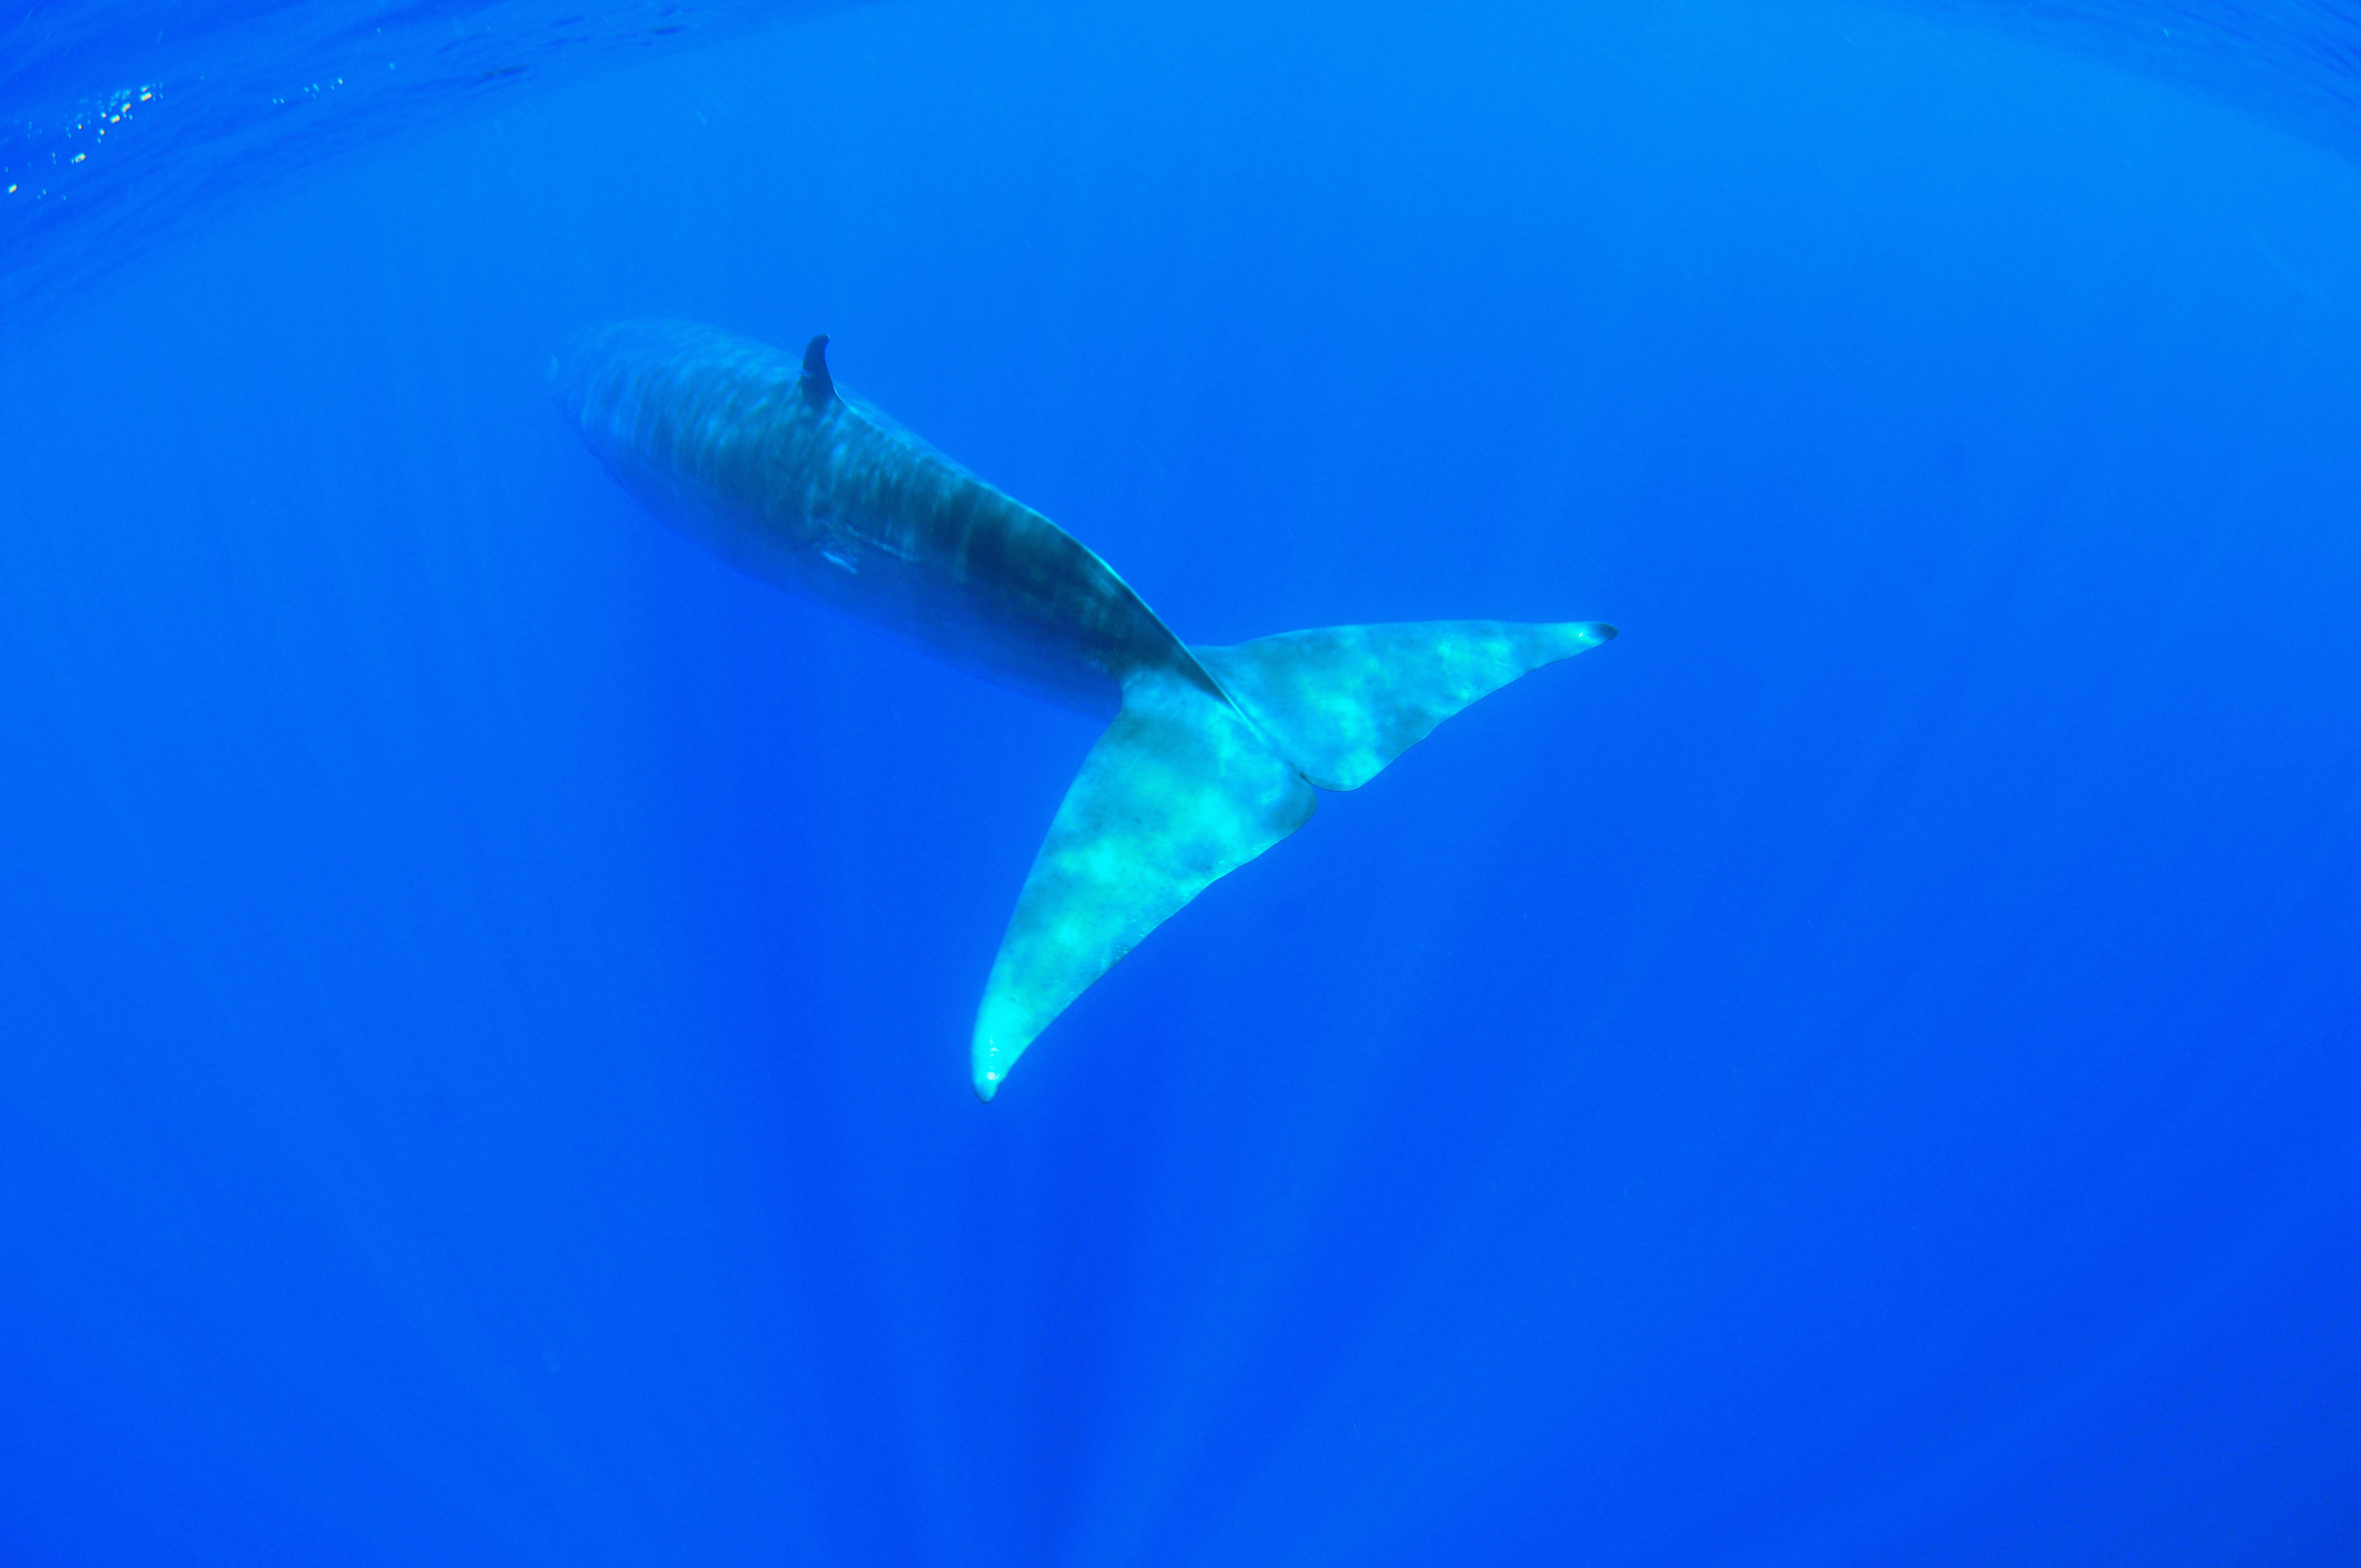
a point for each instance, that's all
(1210, 755)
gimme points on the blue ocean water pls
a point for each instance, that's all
(1860, 1070)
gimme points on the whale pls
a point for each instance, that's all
(1210, 755)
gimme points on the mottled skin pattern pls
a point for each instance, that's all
(733, 443)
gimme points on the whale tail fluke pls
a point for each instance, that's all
(1343, 701)
(1178, 792)
(1185, 787)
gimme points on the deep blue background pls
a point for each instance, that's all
(1861, 1071)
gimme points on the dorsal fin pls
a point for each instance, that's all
(818, 386)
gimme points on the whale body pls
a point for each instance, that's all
(1210, 755)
